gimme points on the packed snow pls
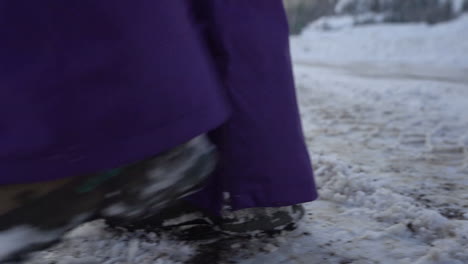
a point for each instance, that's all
(384, 113)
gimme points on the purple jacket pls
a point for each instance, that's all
(88, 85)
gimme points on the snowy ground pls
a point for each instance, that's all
(385, 115)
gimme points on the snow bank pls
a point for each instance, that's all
(442, 45)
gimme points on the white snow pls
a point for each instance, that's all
(13, 239)
(384, 109)
(443, 46)
(93, 243)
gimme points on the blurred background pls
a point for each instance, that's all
(303, 12)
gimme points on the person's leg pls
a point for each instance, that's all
(34, 215)
(95, 88)
(12, 196)
(263, 157)
(264, 160)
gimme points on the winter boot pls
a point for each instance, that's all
(33, 216)
(180, 218)
(191, 223)
(267, 220)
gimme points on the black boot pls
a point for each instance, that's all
(269, 220)
(191, 223)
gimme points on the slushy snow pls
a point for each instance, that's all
(384, 109)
